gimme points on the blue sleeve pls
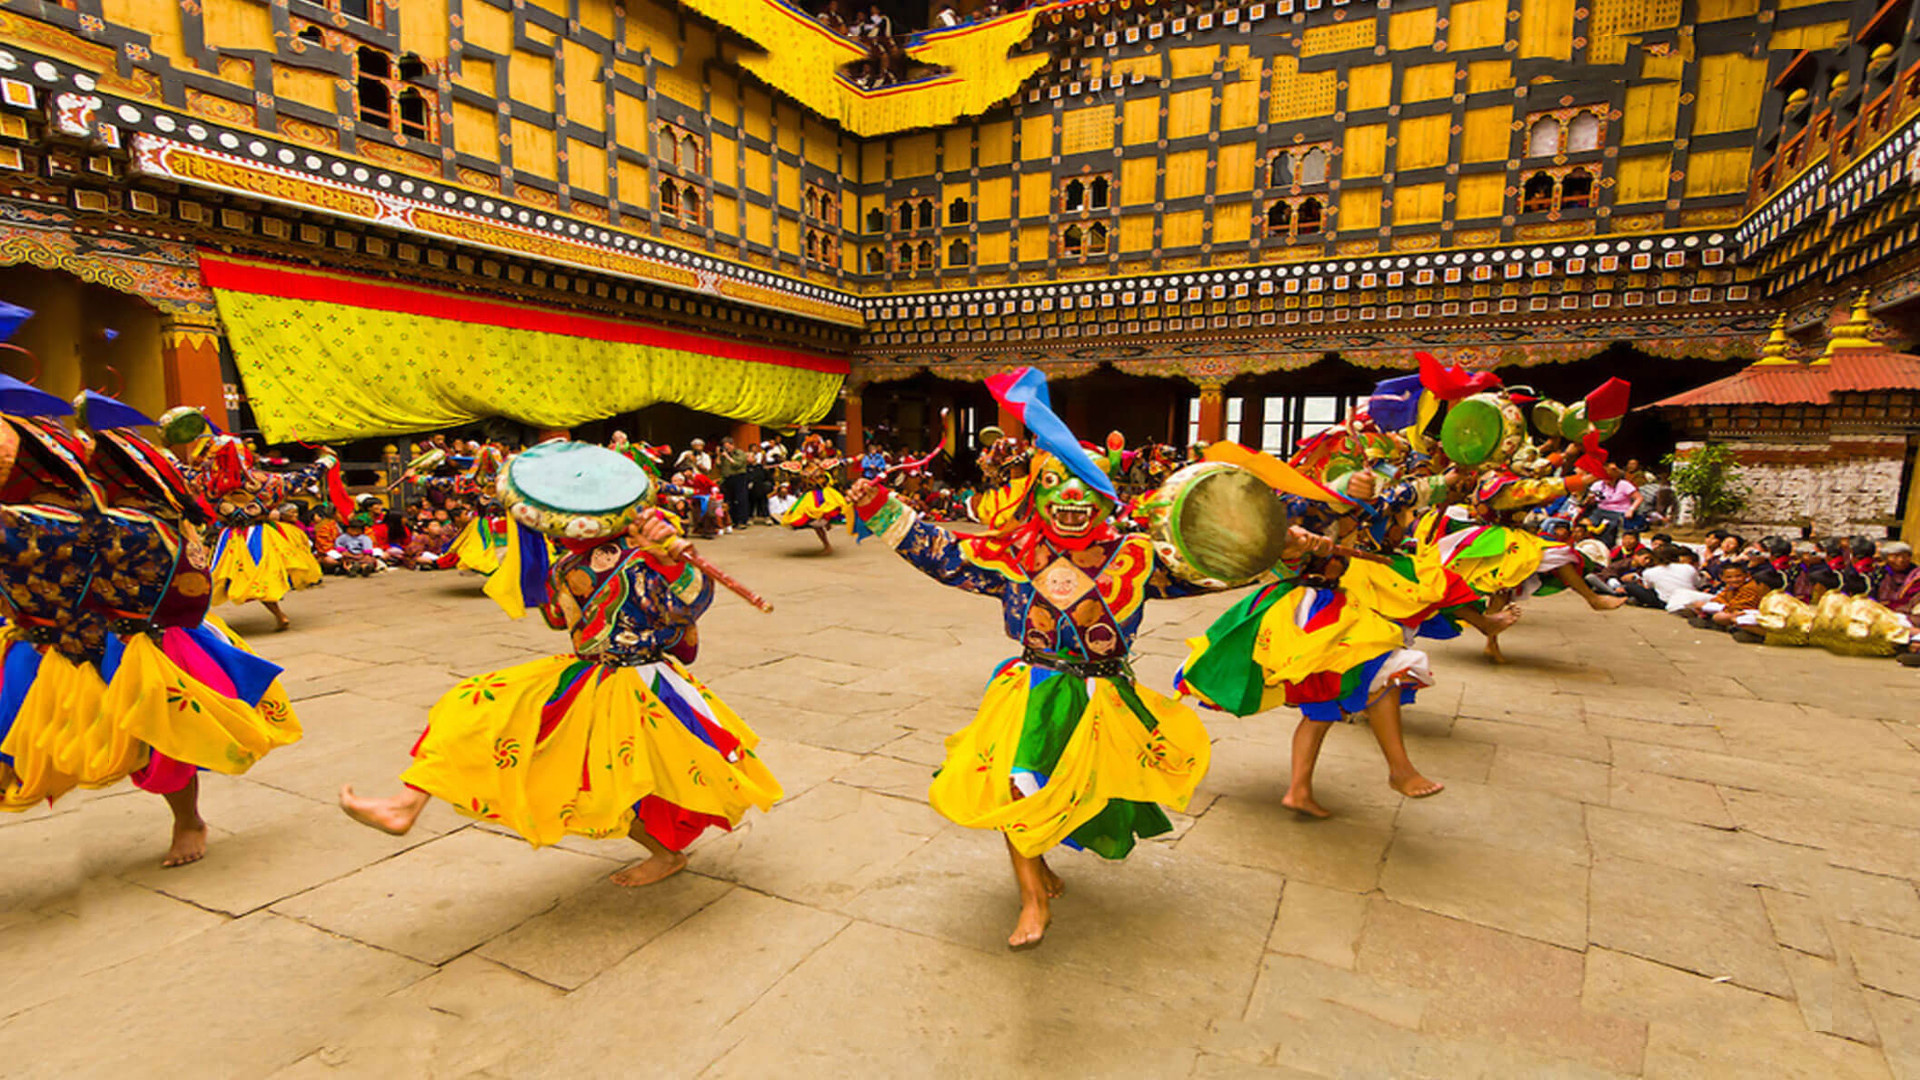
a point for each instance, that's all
(933, 550)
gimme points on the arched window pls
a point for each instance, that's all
(876, 221)
(958, 254)
(374, 62)
(1537, 195)
(812, 202)
(1307, 218)
(375, 107)
(1583, 133)
(1279, 218)
(1280, 170)
(412, 68)
(906, 217)
(313, 34)
(1099, 193)
(958, 212)
(1096, 239)
(826, 207)
(1576, 191)
(903, 262)
(690, 206)
(813, 245)
(669, 146)
(689, 155)
(669, 198)
(876, 261)
(356, 9)
(1543, 139)
(1072, 241)
(413, 114)
(928, 216)
(1313, 166)
(924, 256)
(1074, 196)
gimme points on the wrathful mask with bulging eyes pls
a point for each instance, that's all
(1070, 509)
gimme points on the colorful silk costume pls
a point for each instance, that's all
(819, 502)
(255, 557)
(582, 743)
(143, 683)
(1066, 747)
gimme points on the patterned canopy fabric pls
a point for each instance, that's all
(338, 356)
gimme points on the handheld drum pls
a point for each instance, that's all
(1481, 429)
(1216, 524)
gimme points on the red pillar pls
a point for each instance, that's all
(1213, 413)
(1253, 418)
(1010, 423)
(745, 435)
(855, 440)
(190, 360)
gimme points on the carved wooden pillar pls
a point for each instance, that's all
(190, 359)
(1253, 420)
(1009, 422)
(745, 435)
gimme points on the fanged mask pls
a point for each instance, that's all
(1069, 508)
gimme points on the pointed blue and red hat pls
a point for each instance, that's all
(1024, 393)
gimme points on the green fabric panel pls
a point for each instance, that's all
(1053, 713)
(1110, 834)
(1225, 672)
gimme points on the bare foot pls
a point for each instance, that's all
(1500, 620)
(1415, 786)
(1606, 603)
(1302, 803)
(1493, 653)
(656, 868)
(395, 815)
(1034, 918)
(189, 844)
(1056, 886)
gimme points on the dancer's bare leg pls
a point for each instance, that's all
(395, 815)
(1306, 751)
(1490, 623)
(1056, 885)
(1384, 717)
(1571, 576)
(189, 832)
(825, 544)
(281, 622)
(660, 863)
(1034, 912)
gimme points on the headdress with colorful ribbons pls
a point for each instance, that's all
(1023, 391)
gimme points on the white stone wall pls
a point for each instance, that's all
(1842, 492)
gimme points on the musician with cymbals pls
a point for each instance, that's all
(616, 737)
(1066, 748)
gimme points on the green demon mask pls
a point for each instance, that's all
(1070, 509)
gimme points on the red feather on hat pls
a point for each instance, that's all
(1450, 382)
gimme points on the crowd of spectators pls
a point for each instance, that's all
(886, 62)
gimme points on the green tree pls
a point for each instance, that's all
(1711, 479)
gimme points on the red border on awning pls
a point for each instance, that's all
(353, 290)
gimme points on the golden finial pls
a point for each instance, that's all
(1851, 334)
(1774, 352)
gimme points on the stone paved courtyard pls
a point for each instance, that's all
(1659, 853)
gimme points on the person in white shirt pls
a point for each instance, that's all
(781, 501)
(946, 17)
(1674, 578)
(694, 459)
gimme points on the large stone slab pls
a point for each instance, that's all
(1705, 925)
(241, 999)
(1534, 895)
(1266, 835)
(447, 896)
(599, 926)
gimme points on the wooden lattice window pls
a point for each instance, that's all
(1294, 167)
(679, 147)
(397, 97)
(1575, 130)
(1080, 194)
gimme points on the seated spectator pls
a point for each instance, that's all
(1722, 549)
(1896, 581)
(426, 547)
(1738, 594)
(353, 552)
(1809, 577)
(781, 501)
(946, 16)
(1762, 565)
(1630, 542)
(326, 529)
(1622, 572)
(831, 18)
(1673, 579)
(1855, 565)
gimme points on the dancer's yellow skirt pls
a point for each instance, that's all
(564, 745)
(73, 730)
(824, 507)
(478, 547)
(1489, 558)
(1052, 758)
(263, 561)
(60, 738)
